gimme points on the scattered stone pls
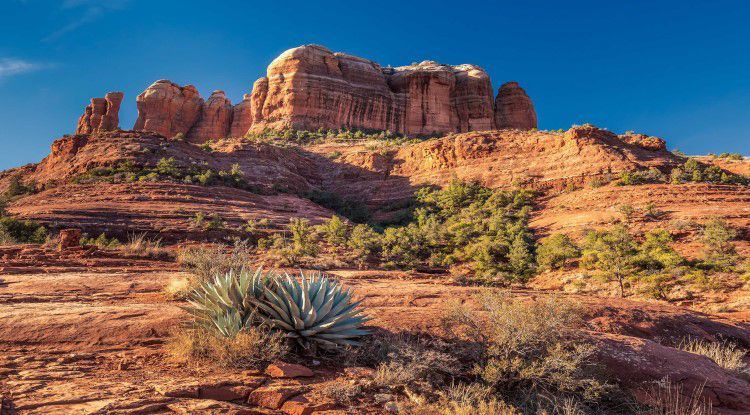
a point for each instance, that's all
(301, 405)
(383, 397)
(288, 370)
(359, 372)
(273, 397)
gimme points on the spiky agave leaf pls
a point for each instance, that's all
(314, 309)
(227, 304)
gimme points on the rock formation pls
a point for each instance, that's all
(215, 119)
(242, 117)
(513, 108)
(310, 87)
(167, 108)
(101, 115)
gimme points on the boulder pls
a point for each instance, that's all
(513, 108)
(288, 370)
(102, 114)
(215, 119)
(69, 238)
(168, 109)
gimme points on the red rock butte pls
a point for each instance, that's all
(309, 88)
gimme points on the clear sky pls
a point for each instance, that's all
(675, 69)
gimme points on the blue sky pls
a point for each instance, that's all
(676, 69)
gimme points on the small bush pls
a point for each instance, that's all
(363, 243)
(530, 350)
(719, 250)
(554, 251)
(14, 230)
(613, 253)
(335, 231)
(100, 242)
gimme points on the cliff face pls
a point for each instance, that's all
(310, 87)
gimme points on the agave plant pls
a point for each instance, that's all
(314, 309)
(226, 304)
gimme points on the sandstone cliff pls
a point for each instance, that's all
(101, 115)
(310, 87)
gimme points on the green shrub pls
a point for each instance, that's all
(656, 252)
(554, 251)
(17, 188)
(719, 250)
(335, 231)
(14, 230)
(363, 242)
(101, 241)
(405, 247)
(630, 178)
(627, 211)
(613, 253)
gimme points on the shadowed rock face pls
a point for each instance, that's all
(513, 108)
(215, 119)
(101, 115)
(168, 109)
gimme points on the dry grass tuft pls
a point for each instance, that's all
(251, 348)
(725, 354)
(462, 399)
(207, 261)
(178, 288)
(342, 391)
(669, 399)
(140, 245)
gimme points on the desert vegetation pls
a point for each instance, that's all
(166, 169)
(691, 171)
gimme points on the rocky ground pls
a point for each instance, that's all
(82, 332)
